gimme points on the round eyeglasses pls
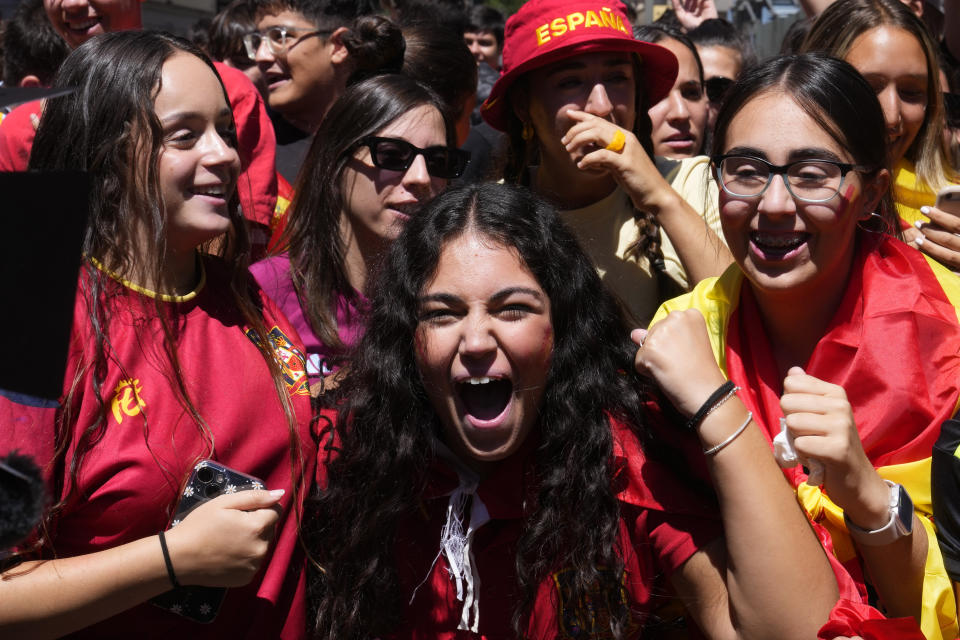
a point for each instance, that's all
(806, 180)
(278, 38)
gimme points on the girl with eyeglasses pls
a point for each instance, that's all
(383, 151)
(840, 337)
(893, 50)
(175, 356)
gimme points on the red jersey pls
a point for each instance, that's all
(130, 479)
(661, 525)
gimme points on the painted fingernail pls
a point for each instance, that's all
(925, 210)
(919, 241)
(918, 224)
(277, 493)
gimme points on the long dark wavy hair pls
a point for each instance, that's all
(388, 429)
(109, 129)
(835, 96)
(312, 235)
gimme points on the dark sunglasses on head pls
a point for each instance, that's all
(396, 154)
(717, 87)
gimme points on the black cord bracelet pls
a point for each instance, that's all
(166, 559)
(716, 398)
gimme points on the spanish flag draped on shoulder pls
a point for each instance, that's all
(893, 344)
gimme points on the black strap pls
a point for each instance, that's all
(725, 390)
(166, 559)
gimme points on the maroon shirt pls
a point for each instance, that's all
(130, 480)
(662, 524)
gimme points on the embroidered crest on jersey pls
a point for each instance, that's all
(127, 400)
(590, 618)
(293, 365)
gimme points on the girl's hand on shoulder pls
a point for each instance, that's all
(593, 142)
(821, 420)
(677, 355)
(223, 542)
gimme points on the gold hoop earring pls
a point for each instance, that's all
(527, 133)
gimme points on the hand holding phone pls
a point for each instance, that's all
(940, 238)
(223, 541)
(219, 536)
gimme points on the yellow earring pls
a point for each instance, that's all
(527, 133)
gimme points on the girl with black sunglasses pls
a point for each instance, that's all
(383, 151)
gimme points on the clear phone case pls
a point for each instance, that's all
(208, 480)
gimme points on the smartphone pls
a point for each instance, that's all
(948, 200)
(208, 480)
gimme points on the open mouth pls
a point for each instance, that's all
(275, 80)
(485, 399)
(212, 192)
(774, 246)
(82, 26)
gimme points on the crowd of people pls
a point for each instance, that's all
(413, 321)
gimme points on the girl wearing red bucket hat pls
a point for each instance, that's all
(573, 99)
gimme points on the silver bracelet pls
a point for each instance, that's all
(731, 437)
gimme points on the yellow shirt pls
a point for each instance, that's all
(910, 193)
(606, 229)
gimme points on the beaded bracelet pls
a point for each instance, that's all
(717, 398)
(169, 563)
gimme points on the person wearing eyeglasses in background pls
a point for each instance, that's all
(382, 152)
(307, 50)
(226, 41)
(77, 21)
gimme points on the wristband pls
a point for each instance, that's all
(733, 436)
(899, 525)
(717, 398)
(166, 560)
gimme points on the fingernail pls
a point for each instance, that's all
(924, 210)
(277, 493)
(918, 224)
(919, 241)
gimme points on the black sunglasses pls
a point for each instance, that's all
(717, 88)
(396, 154)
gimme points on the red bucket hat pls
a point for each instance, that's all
(544, 31)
